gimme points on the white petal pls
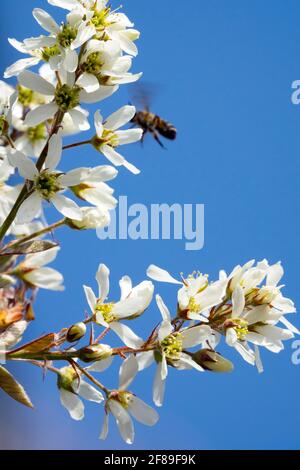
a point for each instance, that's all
(289, 326)
(246, 353)
(90, 297)
(101, 94)
(87, 391)
(110, 153)
(73, 177)
(70, 61)
(158, 274)
(127, 45)
(102, 278)
(128, 371)
(84, 34)
(258, 360)
(20, 65)
(41, 259)
(165, 313)
(73, 404)
(89, 82)
(45, 278)
(164, 330)
(105, 427)
(120, 118)
(159, 387)
(67, 207)
(101, 366)
(66, 4)
(129, 136)
(123, 420)
(145, 359)
(130, 167)
(274, 275)
(186, 359)
(238, 302)
(129, 338)
(194, 336)
(25, 166)
(30, 209)
(231, 337)
(143, 412)
(36, 83)
(79, 119)
(125, 286)
(45, 20)
(40, 114)
(274, 333)
(54, 152)
(98, 121)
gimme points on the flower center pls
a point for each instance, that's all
(124, 398)
(94, 63)
(37, 133)
(3, 125)
(106, 310)
(99, 19)
(67, 98)
(108, 137)
(172, 346)
(46, 185)
(67, 36)
(240, 326)
(49, 52)
(25, 96)
(193, 306)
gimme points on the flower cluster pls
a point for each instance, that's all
(83, 61)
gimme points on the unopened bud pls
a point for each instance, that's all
(96, 352)
(93, 218)
(76, 332)
(212, 361)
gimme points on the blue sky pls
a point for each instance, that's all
(223, 72)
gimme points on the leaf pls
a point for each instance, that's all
(10, 386)
(28, 248)
(37, 346)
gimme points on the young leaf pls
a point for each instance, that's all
(10, 386)
(29, 248)
(39, 345)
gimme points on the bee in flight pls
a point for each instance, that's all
(150, 122)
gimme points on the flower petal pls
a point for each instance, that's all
(35, 82)
(73, 404)
(194, 336)
(128, 371)
(30, 209)
(128, 337)
(67, 207)
(102, 278)
(123, 420)
(160, 275)
(159, 387)
(120, 118)
(142, 412)
(90, 297)
(45, 20)
(40, 114)
(88, 82)
(54, 152)
(87, 391)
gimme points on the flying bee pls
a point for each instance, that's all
(150, 122)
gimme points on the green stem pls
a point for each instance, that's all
(76, 144)
(27, 187)
(41, 232)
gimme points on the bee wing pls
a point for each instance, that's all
(143, 95)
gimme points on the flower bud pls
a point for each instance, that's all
(66, 377)
(212, 361)
(96, 352)
(93, 218)
(76, 332)
(4, 126)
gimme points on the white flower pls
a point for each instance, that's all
(103, 64)
(94, 189)
(22, 64)
(33, 271)
(65, 97)
(108, 137)
(134, 301)
(32, 139)
(106, 23)
(71, 388)
(13, 334)
(48, 183)
(92, 218)
(123, 404)
(171, 346)
(196, 296)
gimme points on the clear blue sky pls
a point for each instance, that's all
(224, 71)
